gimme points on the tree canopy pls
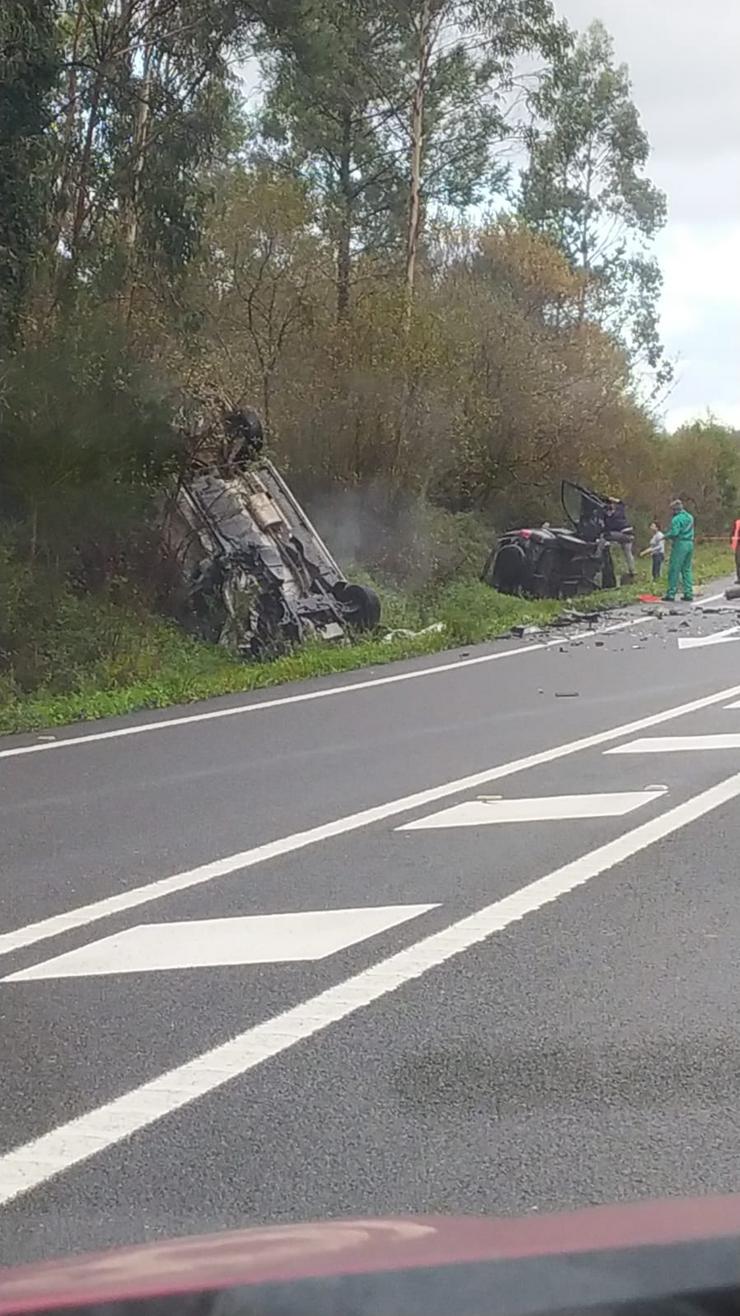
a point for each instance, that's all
(422, 249)
(585, 187)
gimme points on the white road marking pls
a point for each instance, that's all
(165, 724)
(211, 943)
(553, 808)
(713, 598)
(166, 886)
(677, 744)
(69, 1144)
(704, 641)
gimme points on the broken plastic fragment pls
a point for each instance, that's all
(403, 633)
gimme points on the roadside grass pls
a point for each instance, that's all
(110, 660)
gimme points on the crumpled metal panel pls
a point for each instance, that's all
(256, 575)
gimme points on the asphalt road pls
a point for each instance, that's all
(477, 1016)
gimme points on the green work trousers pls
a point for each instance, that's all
(681, 568)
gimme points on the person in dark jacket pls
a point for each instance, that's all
(618, 531)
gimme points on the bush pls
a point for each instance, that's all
(86, 436)
(55, 640)
(406, 540)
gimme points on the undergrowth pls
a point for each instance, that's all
(83, 657)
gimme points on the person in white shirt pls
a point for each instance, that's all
(656, 549)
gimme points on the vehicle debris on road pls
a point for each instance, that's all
(575, 618)
(403, 633)
(522, 632)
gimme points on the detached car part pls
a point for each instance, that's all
(549, 563)
(255, 575)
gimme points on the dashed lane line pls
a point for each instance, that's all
(83, 915)
(70, 1144)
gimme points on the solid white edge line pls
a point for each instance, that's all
(166, 886)
(32, 1164)
(165, 724)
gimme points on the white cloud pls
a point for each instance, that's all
(683, 62)
(677, 416)
(701, 316)
(702, 275)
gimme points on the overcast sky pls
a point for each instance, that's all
(683, 58)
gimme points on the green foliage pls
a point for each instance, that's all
(586, 188)
(85, 434)
(421, 545)
(55, 641)
(257, 281)
(421, 380)
(702, 461)
(28, 69)
(468, 113)
(332, 91)
(101, 660)
(176, 186)
(340, 85)
(144, 111)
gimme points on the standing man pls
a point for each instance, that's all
(618, 531)
(680, 533)
(736, 549)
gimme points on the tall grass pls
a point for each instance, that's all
(70, 658)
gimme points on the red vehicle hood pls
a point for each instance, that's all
(284, 1254)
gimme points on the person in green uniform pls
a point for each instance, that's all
(680, 535)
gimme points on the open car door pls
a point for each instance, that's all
(584, 509)
(570, 496)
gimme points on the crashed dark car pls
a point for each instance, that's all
(554, 563)
(253, 573)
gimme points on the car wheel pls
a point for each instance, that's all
(361, 606)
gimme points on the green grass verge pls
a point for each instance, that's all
(133, 661)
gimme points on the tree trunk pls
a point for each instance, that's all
(416, 155)
(585, 240)
(267, 404)
(63, 218)
(344, 240)
(130, 211)
(139, 143)
(138, 153)
(129, 199)
(79, 213)
(34, 531)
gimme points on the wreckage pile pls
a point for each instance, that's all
(252, 572)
